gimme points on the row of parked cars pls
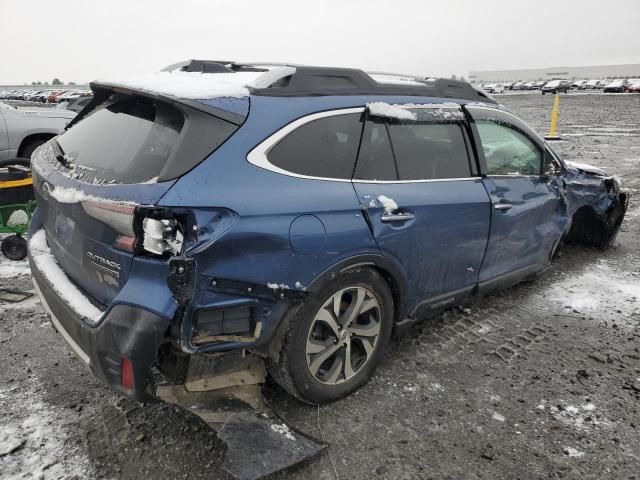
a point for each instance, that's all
(558, 86)
(43, 96)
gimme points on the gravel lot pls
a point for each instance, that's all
(540, 381)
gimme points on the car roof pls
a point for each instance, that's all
(210, 78)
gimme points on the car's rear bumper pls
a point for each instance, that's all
(124, 332)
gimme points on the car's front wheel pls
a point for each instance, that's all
(337, 338)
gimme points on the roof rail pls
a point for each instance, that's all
(289, 79)
(317, 81)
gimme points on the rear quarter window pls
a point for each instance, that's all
(326, 147)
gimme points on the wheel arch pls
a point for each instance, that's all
(30, 137)
(588, 227)
(393, 275)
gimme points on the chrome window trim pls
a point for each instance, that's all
(519, 175)
(258, 156)
(426, 180)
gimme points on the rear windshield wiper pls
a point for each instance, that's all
(59, 154)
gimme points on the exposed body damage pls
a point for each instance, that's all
(243, 263)
(596, 204)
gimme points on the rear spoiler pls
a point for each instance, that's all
(102, 92)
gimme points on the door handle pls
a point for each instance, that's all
(397, 217)
(503, 206)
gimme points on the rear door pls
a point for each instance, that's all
(528, 213)
(426, 205)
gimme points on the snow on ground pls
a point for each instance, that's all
(598, 287)
(34, 440)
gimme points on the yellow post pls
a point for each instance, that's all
(554, 118)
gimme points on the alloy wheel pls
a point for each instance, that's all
(343, 335)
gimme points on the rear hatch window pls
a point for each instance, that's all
(134, 139)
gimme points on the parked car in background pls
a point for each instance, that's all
(591, 84)
(517, 86)
(318, 239)
(538, 85)
(508, 85)
(634, 87)
(602, 84)
(77, 104)
(556, 86)
(23, 129)
(68, 96)
(494, 88)
(528, 86)
(617, 86)
(54, 95)
(579, 85)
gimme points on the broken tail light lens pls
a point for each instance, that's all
(162, 235)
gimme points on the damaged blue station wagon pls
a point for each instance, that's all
(298, 214)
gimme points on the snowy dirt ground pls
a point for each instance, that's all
(540, 381)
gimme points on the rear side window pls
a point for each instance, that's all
(425, 151)
(375, 160)
(131, 139)
(326, 147)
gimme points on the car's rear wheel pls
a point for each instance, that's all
(336, 339)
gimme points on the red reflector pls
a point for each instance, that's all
(126, 373)
(124, 243)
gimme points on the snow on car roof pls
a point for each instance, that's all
(196, 85)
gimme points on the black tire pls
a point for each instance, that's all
(14, 247)
(291, 371)
(30, 147)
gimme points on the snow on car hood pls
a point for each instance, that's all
(584, 167)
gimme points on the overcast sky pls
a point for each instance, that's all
(79, 40)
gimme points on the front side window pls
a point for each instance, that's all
(507, 151)
(425, 151)
(326, 147)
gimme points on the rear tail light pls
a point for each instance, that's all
(161, 232)
(126, 373)
(117, 215)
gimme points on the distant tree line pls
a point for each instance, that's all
(56, 81)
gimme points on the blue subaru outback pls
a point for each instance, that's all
(298, 214)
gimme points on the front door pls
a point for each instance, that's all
(528, 213)
(428, 212)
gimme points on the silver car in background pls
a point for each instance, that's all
(23, 129)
